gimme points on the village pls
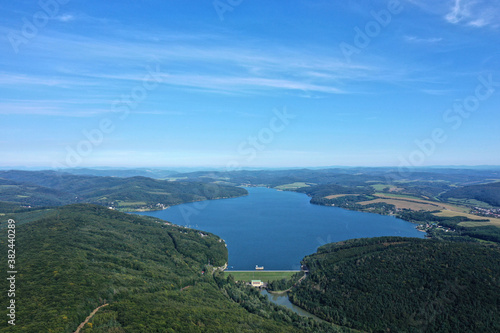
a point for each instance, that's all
(433, 226)
(488, 212)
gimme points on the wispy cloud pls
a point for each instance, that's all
(13, 79)
(437, 92)
(457, 13)
(65, 18)
(430, 40)
(45, 108)
(475, 13)
(104, 68)
(214, 64)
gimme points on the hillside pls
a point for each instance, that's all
(489, 193)
(82, 256)
(403, 284)
(372, 189)
(417, 180)
(153, 276)
(50, 188)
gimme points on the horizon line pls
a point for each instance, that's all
(101, 167)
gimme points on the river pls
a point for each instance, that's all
(282, 299)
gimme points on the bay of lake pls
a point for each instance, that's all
(276, 229)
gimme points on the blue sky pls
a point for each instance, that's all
(249, 83)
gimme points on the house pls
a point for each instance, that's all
(257, 283)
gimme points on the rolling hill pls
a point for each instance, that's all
(82, 256)
(395, 284)
(489, 193)
(50, 188)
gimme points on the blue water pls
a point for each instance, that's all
(276, 229)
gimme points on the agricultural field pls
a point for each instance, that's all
(381, 187)
(449, 213)
(292, 186)
(404, 204)
(440, 205)
(445, 209)
(264, 276)
(120, 203)
(397, 196)
(334, 196)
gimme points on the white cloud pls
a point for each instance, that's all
(475, 13)
(478, 23)
(65, 18)
(104, 68)
(12, 79)
(423, 40)
(215, 64)
(457, 13)
(49, 108)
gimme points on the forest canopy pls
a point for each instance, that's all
(404, 284)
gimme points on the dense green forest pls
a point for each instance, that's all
(351, 202)
(404, 284)
(489, 193)
(285, 284)
(251, 300)
(80, 256)
(332, 189)
(154, 276)
(50, 188)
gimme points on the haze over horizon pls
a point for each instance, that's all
(250, 84)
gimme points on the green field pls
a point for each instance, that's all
(264, 276)
(392, 195)
(292, 186)
(130, 203)
(382, 187)
(173, 179)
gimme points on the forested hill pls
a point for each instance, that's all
(489, 193)
(82, 256)
(345, 176)
(50, 188)
(394, 284)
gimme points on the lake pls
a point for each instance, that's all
(276, 229)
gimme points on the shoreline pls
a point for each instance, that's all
(143, 210)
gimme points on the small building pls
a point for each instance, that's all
(257, 283)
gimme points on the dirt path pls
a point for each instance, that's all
(89, 317)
